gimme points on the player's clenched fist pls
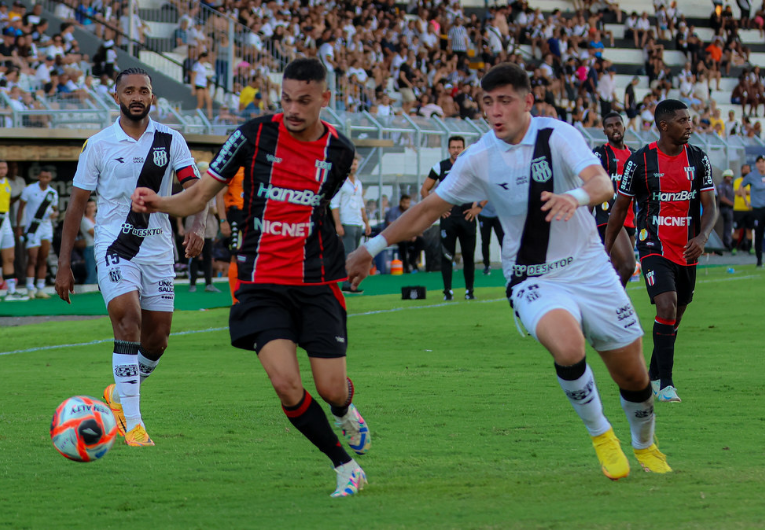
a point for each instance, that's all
(145, 200)
(358, 264)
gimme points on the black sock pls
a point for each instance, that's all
(636, 396)
(664, 349)
(309, 418)
(343, 410)
(573, 372)
(653, 368)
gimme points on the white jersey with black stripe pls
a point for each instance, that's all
(495, 170)
(34, 196)
(110, 164)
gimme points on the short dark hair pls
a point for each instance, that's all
(404, 197)
(306, 69)
(612, 114)
(505, 74)
(131, 71)
(666, 109)
(456, 139)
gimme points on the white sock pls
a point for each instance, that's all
(642, 421)
(40, 285)
(145, 365)
(30, 284)
(125, 365)
(11, 285)
(584, 397)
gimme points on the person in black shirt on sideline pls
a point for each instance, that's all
(458, 223)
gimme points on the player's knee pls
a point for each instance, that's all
(289, 390)
(666, 309)
(154, 346)
(334, 394)
(625, 271)
(127, 328)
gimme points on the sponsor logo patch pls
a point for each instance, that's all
(127, 228)
(278, 228)
(665, 196)
(659, 220)
(300, 197)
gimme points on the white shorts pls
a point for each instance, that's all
(597, 301)
(6, 233)
(44, 232)
(154, 283)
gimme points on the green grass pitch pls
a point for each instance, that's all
(470, 428)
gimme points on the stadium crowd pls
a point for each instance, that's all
(426, 59)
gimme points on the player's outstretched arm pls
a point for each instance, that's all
(597, 188)
(412, 223)
(182, 204)
(72, 220)
(616, 220)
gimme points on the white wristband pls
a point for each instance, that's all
(376, 245)
(581, 196)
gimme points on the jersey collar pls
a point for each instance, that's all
(123, 136)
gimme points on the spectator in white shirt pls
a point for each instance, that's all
(383, 107)
(429, 38)
(64, 12)
(327, 54)
(642, 30)
(358, 71)
(732, 126)
(201, 73)
(607, 91)
(57, 46)
(42, 75)
(349, 213)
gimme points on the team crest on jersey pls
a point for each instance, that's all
(115, 275)
(322, 170)
(159, 155)
(540, 170)
(643, 234)
(690, 172)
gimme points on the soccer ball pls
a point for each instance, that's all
(83, 429)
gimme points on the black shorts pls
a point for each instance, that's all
(743, 219)
(662, 276)
(313, 317)
(630, 230)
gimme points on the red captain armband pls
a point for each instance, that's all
(187, 173)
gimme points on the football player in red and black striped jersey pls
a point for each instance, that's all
(613, 156)
(290, 259)
(670, 181)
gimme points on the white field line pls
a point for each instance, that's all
(367, 313)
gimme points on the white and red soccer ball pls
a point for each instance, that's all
(83, 429)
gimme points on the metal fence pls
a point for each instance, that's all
(398, 151)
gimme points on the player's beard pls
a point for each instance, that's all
(134, 117)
